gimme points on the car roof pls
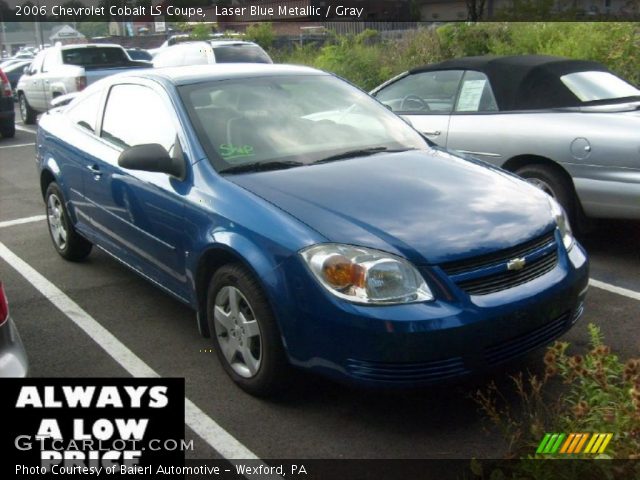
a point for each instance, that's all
(88, 45)
(185, 75)
(522, 82)
(222, 43)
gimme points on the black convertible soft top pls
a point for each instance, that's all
(523, 82)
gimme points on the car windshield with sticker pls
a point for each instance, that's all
(301, 119)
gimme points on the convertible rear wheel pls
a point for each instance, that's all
(246, 336)
(66, 240)
(27, 113)
(553, 183)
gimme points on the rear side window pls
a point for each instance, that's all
(85, 112)
(240, 54)
(37, 62)
(94, 56)
(476, 94)
(50, 61)
(148, 121)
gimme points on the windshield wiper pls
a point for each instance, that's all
(261, 166)
(359, 153)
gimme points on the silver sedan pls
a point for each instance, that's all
(568, 126)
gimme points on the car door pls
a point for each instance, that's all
(48, 75)
(426, 99)
(138, 215)
(476, 126)
(33, 85)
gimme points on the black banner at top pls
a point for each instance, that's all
(252, 11)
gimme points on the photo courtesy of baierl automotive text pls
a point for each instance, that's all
(322, 240)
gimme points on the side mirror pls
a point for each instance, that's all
(151, 157)
(27, 70)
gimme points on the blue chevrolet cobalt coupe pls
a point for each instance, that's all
(307, 225)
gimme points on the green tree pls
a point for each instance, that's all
(262, 34)
(93, 29)
(201, 31)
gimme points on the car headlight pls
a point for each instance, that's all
(364, 275)
(562, 221)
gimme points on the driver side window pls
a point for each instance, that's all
(423, 93)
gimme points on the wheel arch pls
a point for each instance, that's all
(46, 177)
(519, 161)
(218, 255)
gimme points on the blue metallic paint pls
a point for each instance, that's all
(429, 207)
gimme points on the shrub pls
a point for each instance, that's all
(261, 33)
(600, 394)
(368, 59)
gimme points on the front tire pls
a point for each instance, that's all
(27, 113)
(245, 333)
(67, 242)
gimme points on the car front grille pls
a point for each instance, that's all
(520, 345)
(407, 372)
(489, 273)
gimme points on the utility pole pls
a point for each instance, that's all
(39, 27)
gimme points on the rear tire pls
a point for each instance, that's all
(245, 334)
(27, 113)
(67, 242)
(550, 181)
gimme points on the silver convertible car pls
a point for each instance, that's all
(571, 127)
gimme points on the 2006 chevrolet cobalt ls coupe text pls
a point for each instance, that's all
(307, 225)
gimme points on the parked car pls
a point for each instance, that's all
(13, 358)
(139, 54)
(70, 68)
(7, 114)
(568, 126)
(308, 225)
(215, 51)
(10, 61)
(169, 42)
(15, 71)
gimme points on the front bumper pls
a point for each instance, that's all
(13, 357)
(422, 343)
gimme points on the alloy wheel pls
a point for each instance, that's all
(238, 332)
(57, 223)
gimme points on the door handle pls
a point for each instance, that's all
(95, 170)
(435, 133)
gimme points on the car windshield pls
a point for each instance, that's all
(240, 53)
(598, 86)
(291, 120)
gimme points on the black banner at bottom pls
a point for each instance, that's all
(426, 469)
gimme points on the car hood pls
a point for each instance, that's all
(429, 206)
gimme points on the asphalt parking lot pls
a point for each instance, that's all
(316, 418)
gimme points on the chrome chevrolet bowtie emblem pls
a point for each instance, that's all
(516, 264)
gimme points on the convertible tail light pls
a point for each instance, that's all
(6, 86)
(4, 306)
(81, 83)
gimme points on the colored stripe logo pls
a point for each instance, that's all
(592, 443)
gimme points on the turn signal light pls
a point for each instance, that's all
(81, 83)
(6, 86)
(340, 272)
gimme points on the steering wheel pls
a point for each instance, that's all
(414, 98)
